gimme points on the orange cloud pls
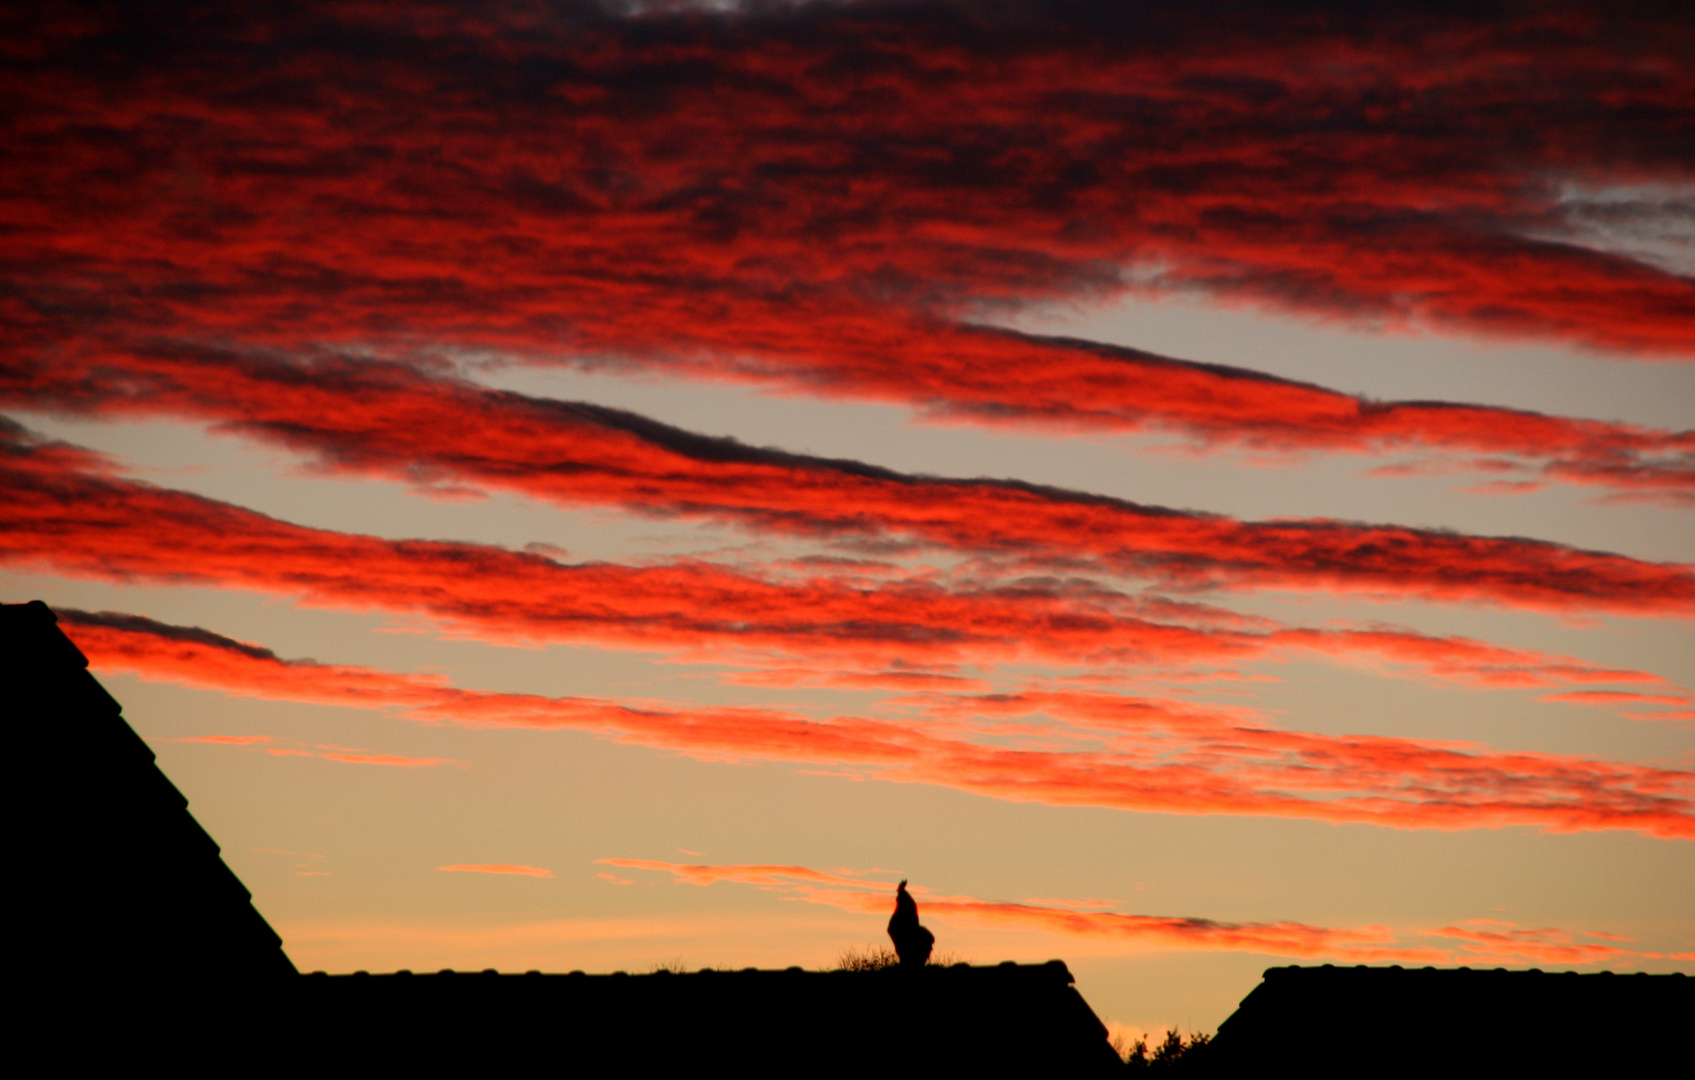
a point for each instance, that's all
(1665, 714)
(1065, 747)
(1615, 697)
(1490, 940)
(341, 754)
(496, 868)
(394, 760)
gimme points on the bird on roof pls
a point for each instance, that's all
(912, 941)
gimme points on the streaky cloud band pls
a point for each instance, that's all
(1060, 748)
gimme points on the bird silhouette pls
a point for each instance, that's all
(912, 941)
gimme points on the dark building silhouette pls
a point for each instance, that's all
(119, 878)
(1015, 1019)
(1442, 1022)
(912, 941)
(142, 945)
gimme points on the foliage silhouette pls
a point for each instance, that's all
(1173, 1054)
(878, 957)
(870, 958)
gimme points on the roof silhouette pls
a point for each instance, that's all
(121, 881)
(1011, 1019)
(1392, 1021)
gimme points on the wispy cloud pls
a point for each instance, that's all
(1480, 940)
(496, 868)
(392, 760)
(1069, 623)
(1493, 940)
(289, 748)
(1063, 747)
(1605, 698)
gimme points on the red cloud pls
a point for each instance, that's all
(1500, 943)
(69, 514)
(1062, 748)
(66, 510)
(443, 434)
(822, 199)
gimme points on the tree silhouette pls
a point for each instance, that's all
(1173, 1055)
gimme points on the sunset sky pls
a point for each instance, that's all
(1194, 487)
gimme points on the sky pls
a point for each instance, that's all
(1194, 488)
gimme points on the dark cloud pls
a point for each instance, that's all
(141, 624)
(818, 195)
